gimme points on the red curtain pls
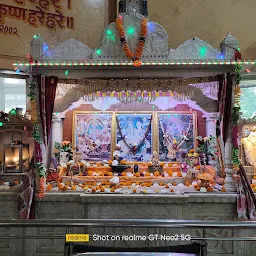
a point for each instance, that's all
(47, 92)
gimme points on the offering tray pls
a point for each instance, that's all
(98, 168)
(120, 168)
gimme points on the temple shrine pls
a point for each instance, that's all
(132, 129)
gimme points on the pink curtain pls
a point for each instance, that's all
(47, 92)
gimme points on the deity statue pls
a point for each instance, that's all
(117, 153)
(155, 159)
(133, 6)
(172, 150)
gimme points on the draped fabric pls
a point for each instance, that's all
(91, 87)
(227, 108)
(246, 201)
(47, 92)
(27, 190)
(225, 104)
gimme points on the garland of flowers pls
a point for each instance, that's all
(134, 148)
(143, 32)
(40, 168)
(236, 116)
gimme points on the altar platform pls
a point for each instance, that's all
(75, 205)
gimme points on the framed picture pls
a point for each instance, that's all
(92, 135)
(176, 133)
(134, 134)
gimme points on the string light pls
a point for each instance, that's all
(66, 73)
(146, 63)
(1, 124)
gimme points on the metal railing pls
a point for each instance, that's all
(131, 223)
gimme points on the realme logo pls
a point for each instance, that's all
(77, 237)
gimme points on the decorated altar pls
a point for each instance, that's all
(158, 124)
(135, 129)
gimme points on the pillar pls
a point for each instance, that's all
(57, 128)
(210, 122)
(229, 180)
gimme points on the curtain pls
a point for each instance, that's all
(227, 108)
(47, 92)
(26, 205)
(225, 103)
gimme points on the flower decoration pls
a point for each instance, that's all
(139, 51)
(64, 146)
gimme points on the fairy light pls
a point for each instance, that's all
(1, 124)
(146, 63)
(98, 51)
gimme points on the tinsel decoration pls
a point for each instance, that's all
(31, 92)
(236, 116)
(40, 168)
(36, 134)
(235, 154)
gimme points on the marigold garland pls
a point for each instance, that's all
(139, 51)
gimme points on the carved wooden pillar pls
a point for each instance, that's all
(112, 10)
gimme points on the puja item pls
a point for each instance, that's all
(19, 111)
(117, 153)
(155, 163)
(205, 179)
(64, 157)
(77, 157)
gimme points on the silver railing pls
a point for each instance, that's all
(129, 223)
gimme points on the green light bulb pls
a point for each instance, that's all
(99, 51)
(130, 30)
(203, 51)
(1, 124)
(66, 73)
(109, 32)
